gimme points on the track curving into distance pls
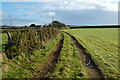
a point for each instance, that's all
(87, 61)
(49, 67)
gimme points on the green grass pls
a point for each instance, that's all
(69, 63)
(4, 39)
(102, 45)
(27, 66)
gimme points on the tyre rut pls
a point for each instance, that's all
(87, 61)
(49, 67)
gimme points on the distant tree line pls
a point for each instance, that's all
(56, 24)
(53, 24)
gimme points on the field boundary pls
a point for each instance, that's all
(89, 27)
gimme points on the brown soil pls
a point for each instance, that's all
(92, 68)
(49, 67)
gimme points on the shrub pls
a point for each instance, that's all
(22, 41)
(25, 41)
(48, 34)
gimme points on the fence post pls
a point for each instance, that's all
(9, 36)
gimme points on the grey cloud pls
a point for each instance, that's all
(88, 17)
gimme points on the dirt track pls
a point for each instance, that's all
(49, 67)
(87, 61)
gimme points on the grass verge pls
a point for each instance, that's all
(27, 66)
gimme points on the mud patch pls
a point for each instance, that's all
(49, 67)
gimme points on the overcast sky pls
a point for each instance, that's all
(73, 12)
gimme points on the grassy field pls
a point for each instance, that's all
(102, 45)
(69, 63)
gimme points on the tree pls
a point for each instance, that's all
(32, 25)
(26, 27)
(63, 25)
(49, 25)
(58, 24)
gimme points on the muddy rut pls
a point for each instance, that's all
(87, 61)
(49, 67)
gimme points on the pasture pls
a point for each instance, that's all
(102, 45)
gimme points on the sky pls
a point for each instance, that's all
(70, 12)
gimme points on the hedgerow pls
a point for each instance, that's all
(26, 41)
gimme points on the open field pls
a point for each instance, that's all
(63, 40)
(102, 45)
(62, 57)
(97, 26)
(34, 65)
